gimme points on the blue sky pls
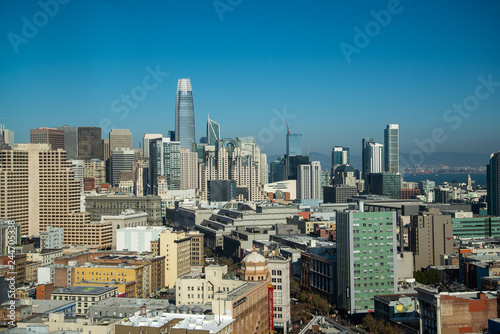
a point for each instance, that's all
(254, 61)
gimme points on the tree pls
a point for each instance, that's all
(429, 276)
(378, 326)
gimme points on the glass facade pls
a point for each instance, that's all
(391, 148)
(213, 132)
(293, 144)
(476, 227)
(493, 185)
(165, 159)
(184, 114)
(340, 156)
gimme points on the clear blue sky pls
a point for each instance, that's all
(253, 58)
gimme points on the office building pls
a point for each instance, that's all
(277, 170)
(338, 193)
(430, 234)
(105, 150)
(221, 190)
(6, 137)
(126, 219)
(264, 169)
(70, 141)
(374, 153)
(51, 136)
(165, 160)
(89, 143)
(121, 160)
(213, 132)
(318, 271)
(391, 148)
(119, 138)
(340, 156)
(146, 140)
(292, 164)
(344, 174)
(366, 258)
(293, 144)
(365, 156)
(184, 114)
(309, 181)
(9, 231)
(493, 185)
(384, 184)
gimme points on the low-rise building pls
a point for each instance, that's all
(85, 296)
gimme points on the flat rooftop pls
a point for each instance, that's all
(43, 306)
(85, 290)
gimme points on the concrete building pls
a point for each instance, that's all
(176, 247)
(146, 140)
(126, 219)
(397, 308)
(384, 184)
(338, 193)
(95, 169)
(70, 141)
(84, 296)
(319, 271)
(189, 169)
(98, 206)
(456, 312)
(366, 258)
(279, 268)
(121, 160)
(10, 235)
(309, 181)
(137, 239)
(430, 234)
(51, 136)
(40, 191)
(51, 238)
(120, 138)
(89, 143)
(176, 323)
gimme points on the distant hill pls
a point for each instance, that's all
(451, 159)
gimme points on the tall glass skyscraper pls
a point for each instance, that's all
(340, 156)
(293, 144)
(184, 114)
(391, 148)
(365, 155)
(493, 184)
(213, 132)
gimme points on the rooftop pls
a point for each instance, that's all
(43, 306)
(84, 290)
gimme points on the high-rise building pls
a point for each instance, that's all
(365, 156)
(165, 160)
(366, 258)
(121, 160)
(105, 150)
(293, 144)
(373, 154)
(6, 138)
(385, 184)
(51, 136)
(264, 169)
(391, 148)
(120, 138)
(340, 156)
(189, 169)
(309, 181)
(146, 140)
(89, 143)
(39, 189)
(213, 132)
(95, 169)
(493, 185)
(176, 247)
(430, 234)
(184, 114)
(70, 141)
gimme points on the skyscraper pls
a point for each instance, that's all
(6, 137)
(184, 114)
(147, 138)
(165, 160)
(365, 157)
(121, 160)
(119, 138)
(391, 148)
(189, 169)
(70, 141)
(293, 144)
(340, 156)
(213, 132)
(372, 157)
(493, 185)
(89, 143)
(309, 181)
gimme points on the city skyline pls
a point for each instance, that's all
(406, 76)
